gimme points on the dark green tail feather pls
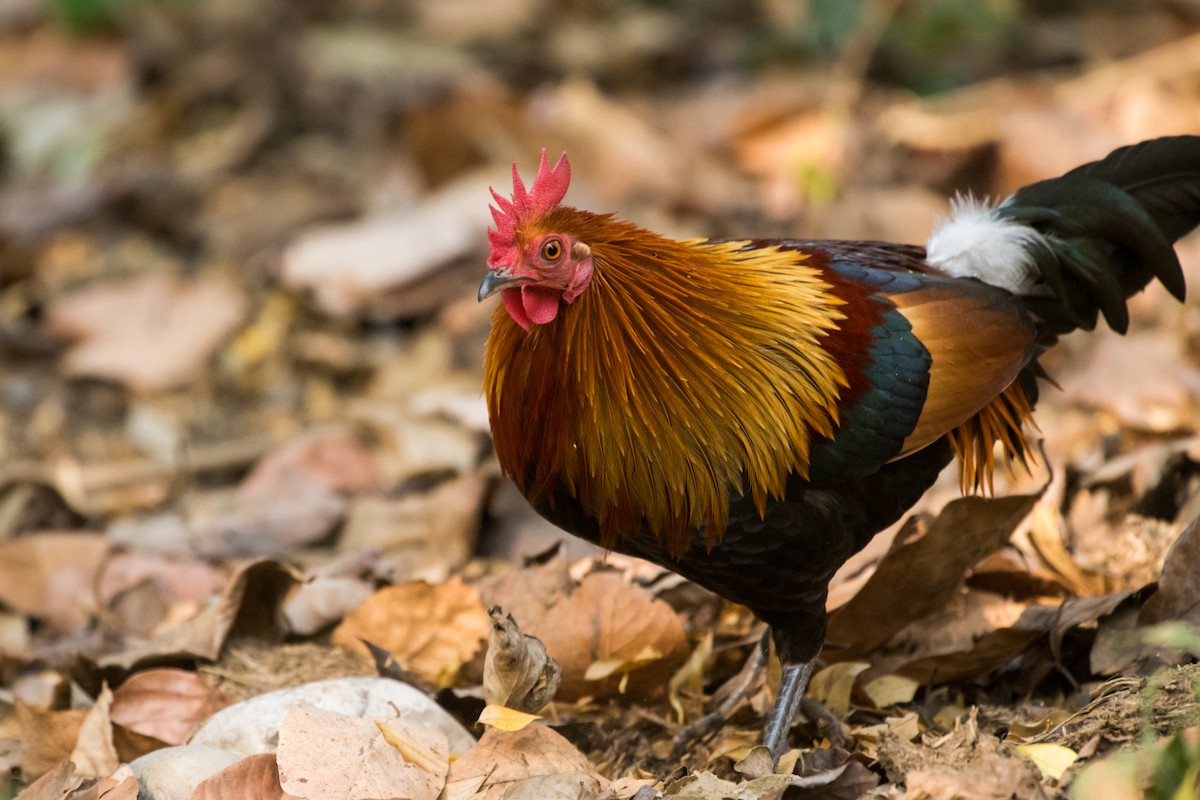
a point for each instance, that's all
(1109, 227)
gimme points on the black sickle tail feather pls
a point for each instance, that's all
(1108, 229)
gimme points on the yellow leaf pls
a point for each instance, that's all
(506, 719)
(1051, 759)
(831, 687)
(604, 667)
(888, 690)
(414, 752)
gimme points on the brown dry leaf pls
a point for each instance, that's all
(183, 581)
(969, 636)
(55, 784)
(346, 267)
(331, 458)
(297, 511)
(253, 778)
(1178, 595)
(431, 630)
(151, 333)
(420, 534)
(608, 620)
(95, 753)
(47, 737)
(798, 158)
(499, 760)
(920, 577)
(322, 600)
(323, 754)
(50, 575)
(249, 608)
(168, 704)
(518, 673)
(562, 786)
(111, 788)
(528, 593)
(1144, 381)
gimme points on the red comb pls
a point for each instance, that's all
(547, 191)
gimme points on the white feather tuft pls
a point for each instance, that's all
(976, 242)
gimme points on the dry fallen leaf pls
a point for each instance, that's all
(330, 457)
(150, 333)
(348, 266)
(419, 534)
(529, 592)
(168, 704)
(920, 577)
(47, 737)
(322, 600)
(505, 719)
(1144, 381)
(608, 620)
(253, 778)
(248, 608)
(54, 784)
(1051, 759)
(518, 673)
(1178, 595)
(561, 786)
(50, 575)
(831, 686)
(431, 630)
(323, 754)
(95, 753)
(499, 760)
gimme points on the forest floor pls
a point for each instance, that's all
(243, 447)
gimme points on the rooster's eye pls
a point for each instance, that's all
(552, 250)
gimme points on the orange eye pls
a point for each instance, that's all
(552, 250)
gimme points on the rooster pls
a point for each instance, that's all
(749, 413)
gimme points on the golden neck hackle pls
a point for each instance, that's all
(685, 373)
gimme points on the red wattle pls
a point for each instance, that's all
(512, 304)
(541, 305)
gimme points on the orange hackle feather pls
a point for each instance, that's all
(974, 442)
(685, 372)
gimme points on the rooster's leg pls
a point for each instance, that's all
(791, 691)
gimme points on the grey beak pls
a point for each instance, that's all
(495, 281)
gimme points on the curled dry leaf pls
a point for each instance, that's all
(1178, 595)
(249, 608)
(168, 704)
(323, 754)
(499, 760)
(518, 673)
(95, 753)
(606, 619)
(253, 778)
(431, 630)
(921, 577)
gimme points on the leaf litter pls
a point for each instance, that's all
(241, 437)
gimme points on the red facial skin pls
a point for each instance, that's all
(553, 269)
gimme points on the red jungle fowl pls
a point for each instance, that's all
(749, 413)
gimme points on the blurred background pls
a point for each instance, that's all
(240, 243)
